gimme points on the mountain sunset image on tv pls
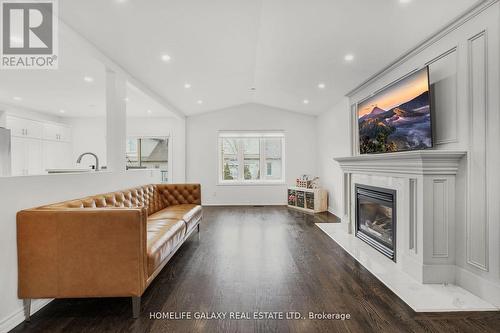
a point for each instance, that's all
(398, 118)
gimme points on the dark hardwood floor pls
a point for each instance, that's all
(259, 259)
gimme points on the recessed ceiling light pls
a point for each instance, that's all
(166, 58)
(306, 101)
(149, 111)
(404, 1)
(349, 57)
(62, 111)
(88, 79)
(17, 98)
(200, 101)
(187, 85)
(321, 85)
(126, 99)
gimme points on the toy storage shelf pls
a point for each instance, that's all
(311, 200)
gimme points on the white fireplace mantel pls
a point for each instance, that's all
(425, 162)
(426, 194)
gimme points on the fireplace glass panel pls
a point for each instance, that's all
(375, 219)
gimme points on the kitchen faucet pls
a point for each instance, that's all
(79, 160)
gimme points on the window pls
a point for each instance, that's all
(148, 153)
(251, 157)
(269, 168)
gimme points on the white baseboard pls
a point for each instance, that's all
(478, 285)
(439, 274)
(17, 317)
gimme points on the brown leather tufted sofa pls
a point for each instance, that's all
(107, 245)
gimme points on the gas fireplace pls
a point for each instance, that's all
(376, 218)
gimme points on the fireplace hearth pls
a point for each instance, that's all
(376, 218)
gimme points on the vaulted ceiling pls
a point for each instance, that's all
(215, 51)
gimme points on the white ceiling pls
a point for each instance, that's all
(65, 93)
(284, 48)
(50, 91)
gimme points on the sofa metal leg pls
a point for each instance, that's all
(136, 307)
(27, 309)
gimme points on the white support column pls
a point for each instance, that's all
(116, 121)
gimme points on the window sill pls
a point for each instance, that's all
(252, 183)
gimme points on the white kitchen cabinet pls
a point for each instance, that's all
(18, 156)
(34, 152)
(38, 146)
(22, 127)
(26, 156)
(56, 132)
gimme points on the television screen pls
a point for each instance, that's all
(398, 118)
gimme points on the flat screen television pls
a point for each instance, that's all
(397, 118)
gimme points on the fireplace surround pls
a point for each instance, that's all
(425, 184)
(375, 218)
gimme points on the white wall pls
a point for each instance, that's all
(202, 154)
(333, 141)
(464, 74)
(89, 135)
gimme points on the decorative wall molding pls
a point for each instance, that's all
(445, 108)
(477, 204)
(442, 55)
(354, 130)
(455, 24)
(440, 219)
(413, 217)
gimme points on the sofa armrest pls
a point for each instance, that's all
(176, 194)
(81, 252)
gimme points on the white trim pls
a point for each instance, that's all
(486, 289)
(18, 316)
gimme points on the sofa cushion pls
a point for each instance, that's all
(191, 214)
(175, 194)
(163, 237)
